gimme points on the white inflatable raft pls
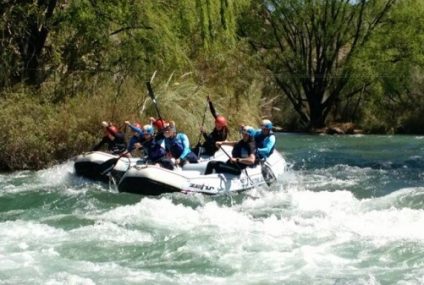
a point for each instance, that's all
(154, 180)
(98, 165)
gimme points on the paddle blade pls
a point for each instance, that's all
(150, 89)
(268, 174)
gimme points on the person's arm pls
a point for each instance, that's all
(231, 143)
(137, 130)
(250, 160)
(131, 144)
(186, 144)
(269, 143)
(210, 138)
(204, 133)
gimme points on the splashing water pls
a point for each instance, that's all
(348, 211)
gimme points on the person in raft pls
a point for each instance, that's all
(113, 138)
(153, 150)
(242, 156)
(177, 146)
(219, 133)
(265, 140)
(159, 125)
(137, 137)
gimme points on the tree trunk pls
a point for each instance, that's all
(316, 111)
(33, 44)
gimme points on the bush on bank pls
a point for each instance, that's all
(36, 133)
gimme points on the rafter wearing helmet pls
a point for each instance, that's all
(219, 133)
(113, 138)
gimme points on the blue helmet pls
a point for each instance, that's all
(148, 129)
(249, 131)
(267, 124)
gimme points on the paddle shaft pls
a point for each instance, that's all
(238, 166)
(152, 95)
(109, 164)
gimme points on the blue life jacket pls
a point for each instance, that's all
(133, 140)
(265, 144)
(153, 150)
(175, 145)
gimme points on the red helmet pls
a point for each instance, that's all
(220, 121)
(159, 124)
(137, 125)
(112, 130)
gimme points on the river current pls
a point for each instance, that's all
(349, 210)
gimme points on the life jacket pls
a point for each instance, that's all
(260, 140)
(133, 140)
(153, 150)
(241, 149)
(174, 146)
(117, 145)
(210, 140)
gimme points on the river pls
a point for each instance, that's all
(349, 210)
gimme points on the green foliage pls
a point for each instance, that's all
(33, 135)
(22, 28)
(96, 56)
(36, 133)
(308, 46)
(391, 67)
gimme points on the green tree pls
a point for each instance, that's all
(24, 28)
(394, 61)
(308, 45)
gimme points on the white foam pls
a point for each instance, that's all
(69, 279)
(160, 212)
(57, 174)
(14, 231)
(109, 232)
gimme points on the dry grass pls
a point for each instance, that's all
(36, 134)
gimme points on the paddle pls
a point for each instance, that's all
(238, 166)
(152, 95)
(109, 164)
(267, 173)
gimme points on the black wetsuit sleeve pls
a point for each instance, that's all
(205, 136)
(120, 136)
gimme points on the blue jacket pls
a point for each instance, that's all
(153, 150)
(135, 139)
(178, 146)
(137, 130)
(265, 144)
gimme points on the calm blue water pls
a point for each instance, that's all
(349, 210)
